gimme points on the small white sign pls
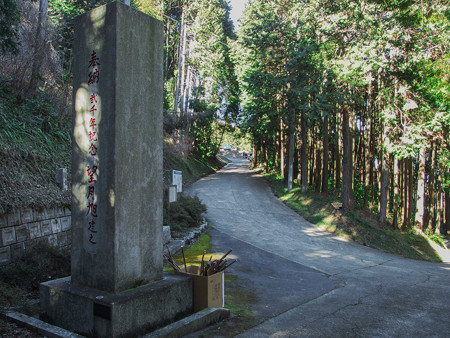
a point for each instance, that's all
(172, 193)
(177, 179)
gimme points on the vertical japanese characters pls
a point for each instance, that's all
(92, 169)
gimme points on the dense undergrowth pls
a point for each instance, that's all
(183, 214)
(34, 141)
(356, 225)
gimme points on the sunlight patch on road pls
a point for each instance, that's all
(319, 254)
(446, 267)
(443, 253)
(314, 233)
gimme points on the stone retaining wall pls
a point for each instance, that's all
(20, 229)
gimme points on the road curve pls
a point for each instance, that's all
(374, 293)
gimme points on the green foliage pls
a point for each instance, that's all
(40, 263)
(193, 254)
(383, 61)
(9, 16)
(150, 7)
(61, 13)
(202, 130)
(35, 140)
(435, 238)
(211, 56)
(185, 213)
(169, 96)
(236, 137)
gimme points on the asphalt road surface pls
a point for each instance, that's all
(307, 282)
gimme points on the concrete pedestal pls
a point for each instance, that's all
(129, 313)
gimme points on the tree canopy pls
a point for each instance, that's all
(355, 94)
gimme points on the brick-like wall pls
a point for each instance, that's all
(19, 229)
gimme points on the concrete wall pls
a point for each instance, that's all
(22, 228)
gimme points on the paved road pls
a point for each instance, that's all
(310, 283)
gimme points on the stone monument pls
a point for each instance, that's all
(117, 287)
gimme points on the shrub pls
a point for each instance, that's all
(185, 213)
(40, 263)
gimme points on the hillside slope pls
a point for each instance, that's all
(35, 141)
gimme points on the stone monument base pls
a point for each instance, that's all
(133, 312)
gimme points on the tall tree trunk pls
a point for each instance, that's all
(166, 59)
(351, 146)
(291, 156)
(255, 154)
(299, 154)
(181, 47)
(385, 173)
(405, 192)
(384, 187)
(369, 131)
(368, 171)
(291, 144)
(337, 180)
(346, 161)
(312, 163)
(446, 224)
(438, 208)
(279, 155)
(304, 154)
(440, 198)
(420, 189)
(400, 183)
(397, 190)
(185, 80)
(371, 161)
(431, 190)
(411, 191)
(39, 44)
(318, 178)
(185, 92)
(325, 157)
(262, 153)
(286, 152)
(428, 196)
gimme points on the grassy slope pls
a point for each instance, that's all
(34, 142)
(356, 225)
(193, 167)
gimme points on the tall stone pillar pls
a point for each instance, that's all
(117, 285)
(117, 148)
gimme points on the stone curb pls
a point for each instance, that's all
(39, 326)
(191, 324)
(175, 245)
(185, 326)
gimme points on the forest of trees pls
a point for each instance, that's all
(341, 97)
(353, 96)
